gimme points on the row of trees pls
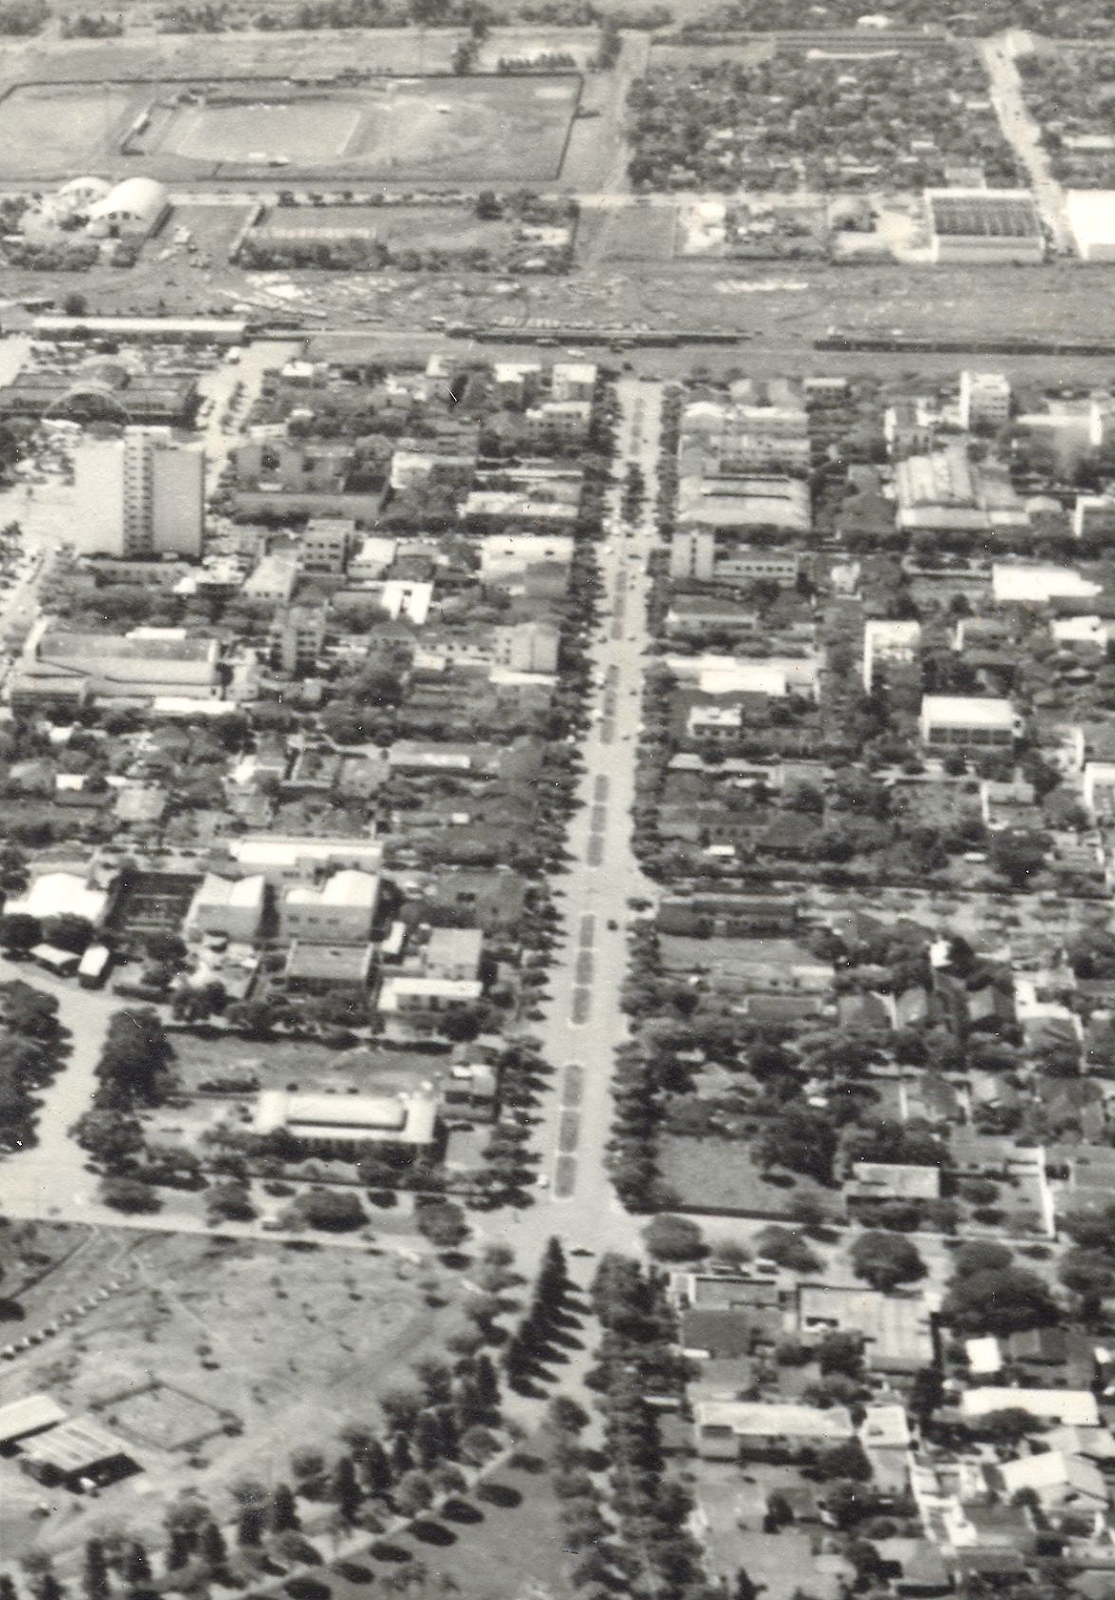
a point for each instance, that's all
(652, 1549)
(32, 1048)
(531, 1338)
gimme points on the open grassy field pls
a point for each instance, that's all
(282, 1062)
(511, 129)
(431, 227)
(289, 1343)
(720, 1175)
(502, 1541)
(61, 128)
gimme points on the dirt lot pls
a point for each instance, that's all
(289, 1343)
(422, 228)
(731, 1503)
(637, 233)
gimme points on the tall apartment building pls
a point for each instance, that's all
(326, 543)
(984, 399)
(140, 496)
(297, 638)
(692, 555)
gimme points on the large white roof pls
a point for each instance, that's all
(57, 894)
(1091, 216)
(28, 1415)
(1052, 1469)
(286, 850)
(409, 1119)
(775, 1419)
(137, 197)
(1076, 1407)
(218, 891)
(969, 710)
(348, 888)
(1026, 582)
(85, 189)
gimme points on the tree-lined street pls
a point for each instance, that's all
(583, 1022)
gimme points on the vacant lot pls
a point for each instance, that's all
(643, 233)
(59, 128)
(283, 1063)
(449, 228)
(289, 1343)
(211, 228)
(720, 1175)
(733, 1502)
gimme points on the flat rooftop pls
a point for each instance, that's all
(969, 710)
(357, 1117)
(62, 644)
(976, 215)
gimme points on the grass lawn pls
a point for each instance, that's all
(512, 1551)
(719, 1175)
(279, 1062)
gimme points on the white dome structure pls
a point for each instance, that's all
(134, 208)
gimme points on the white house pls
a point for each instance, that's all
(339, 911)
(955, 721)
(231, 908)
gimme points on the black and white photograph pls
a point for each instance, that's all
(557, 800)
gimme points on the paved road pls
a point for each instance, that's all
(50, 1179)
(1018, 125)
(583, 1023)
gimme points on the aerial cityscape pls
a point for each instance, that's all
(557, 766)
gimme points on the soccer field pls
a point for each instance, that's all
(437, 129)
(303, 134)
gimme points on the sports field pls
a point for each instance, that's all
(59, 128)
(305, 134)
(432, 129)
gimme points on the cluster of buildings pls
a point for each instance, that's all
(743, 462)
(133, 209)
(966, 1501)
(390, 582)
(883, 788)
(973, 659)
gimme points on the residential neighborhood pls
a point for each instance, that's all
(557, 659)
